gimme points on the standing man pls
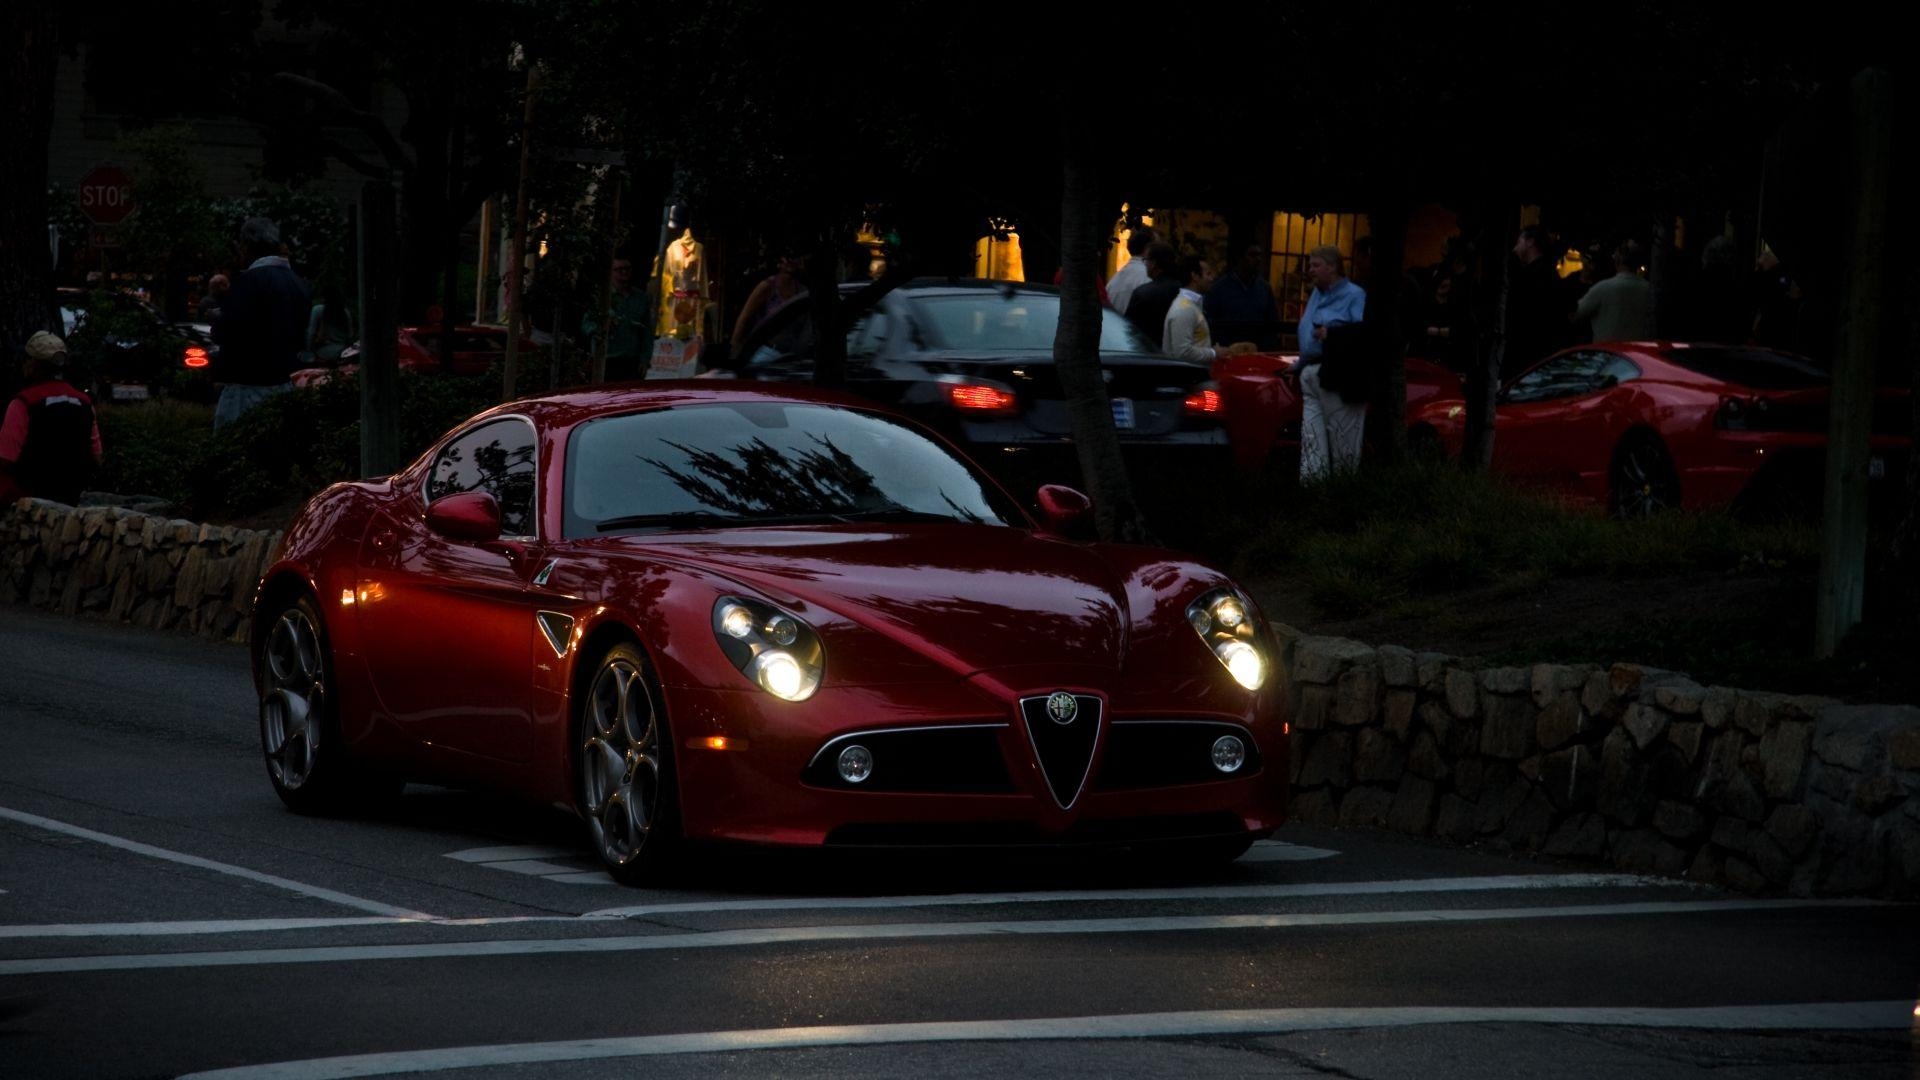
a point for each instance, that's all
(1147, 311)
(1536, 319)
(50, 439)
(1619, 306)
(262, 326)
(1331, 427)
(1241, 307)
(208, 310)
(629, 317)
(1125, 280)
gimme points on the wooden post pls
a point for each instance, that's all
(517, 245)
(480, 305)
(379, 368)
(1843, 548)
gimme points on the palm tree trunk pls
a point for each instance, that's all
(1076, 346)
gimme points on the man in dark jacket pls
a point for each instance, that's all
(262, 326)
(1148, 304)
(50, 440)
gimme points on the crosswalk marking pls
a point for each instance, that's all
(1820, 1016)
(870, 933)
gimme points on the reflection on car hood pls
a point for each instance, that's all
(970, 598)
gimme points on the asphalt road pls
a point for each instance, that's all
(161, 914)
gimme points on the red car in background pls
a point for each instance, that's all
(475, 348)
(1646, 426)
(1263, 406)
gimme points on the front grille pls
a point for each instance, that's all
(1063, 746)
(1025, 834)
(1165, 753)
(957, 760)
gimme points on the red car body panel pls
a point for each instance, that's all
(442, 670)
(1568, 443)
(1263, 410)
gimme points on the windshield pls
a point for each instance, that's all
(1761, 369)
(991, 321)
(765, 463)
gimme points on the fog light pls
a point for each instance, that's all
(1229, 753)
(856, 764)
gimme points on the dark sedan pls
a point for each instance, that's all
(974, 360)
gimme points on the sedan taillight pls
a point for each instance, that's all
(194, 357)
(983, 400)
(1203, 403)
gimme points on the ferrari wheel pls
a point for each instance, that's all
(1642, 481)
(299, 735)
(625, 769)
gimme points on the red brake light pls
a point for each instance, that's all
(1204, 403)
(195, 357)
(973, 397)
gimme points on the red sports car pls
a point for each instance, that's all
(716, 611)
(1642, 427)
(417, 349)
(1263, 408)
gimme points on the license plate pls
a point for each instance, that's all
(1876, 467)
(1122, 412)
(129, 392)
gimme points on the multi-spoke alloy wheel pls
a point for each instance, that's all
(298, 734)
(625, 768)
(1642, 481)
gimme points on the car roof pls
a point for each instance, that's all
(569, 407)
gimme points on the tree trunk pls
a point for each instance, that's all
(1385, 321)
(1663, 289)
(1490, 346)
(379, 366)
(26, 121)
(1076, 346)
(823, 307)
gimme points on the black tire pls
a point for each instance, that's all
(310, 769)
(1641, 481)
(623, 771)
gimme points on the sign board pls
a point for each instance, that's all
(674, 359)
(103, 236)
(106, 195)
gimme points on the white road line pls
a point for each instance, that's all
(1195, 892)
(150, 851)
(1280, 851)
(585, 877)
(1826, 1016)
(868, 934)
(202, 926)
(501, 854)
(531, 867)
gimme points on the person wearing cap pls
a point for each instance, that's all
(50, 439)
(262, 327)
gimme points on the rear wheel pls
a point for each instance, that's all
(624, 769)
(299, 728)
(1642, 481)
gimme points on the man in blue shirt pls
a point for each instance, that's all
(1331, 428)
(262, 326)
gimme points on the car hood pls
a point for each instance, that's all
(968, 598)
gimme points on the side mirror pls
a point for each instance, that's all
(470, 515)
(1065, 512)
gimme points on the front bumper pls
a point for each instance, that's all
(955, 764)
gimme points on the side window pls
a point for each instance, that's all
(1566, 375)
(1619, 368)
(497, 458)
(863, 341)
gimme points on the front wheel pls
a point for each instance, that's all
(624, 769)
(299, 731)
(1642, 481)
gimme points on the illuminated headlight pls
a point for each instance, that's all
(1221, 619)
(778, 652)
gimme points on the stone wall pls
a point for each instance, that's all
(123, 565)
(1632, 766)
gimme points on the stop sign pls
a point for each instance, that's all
(106, 195)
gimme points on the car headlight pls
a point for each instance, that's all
(781, 654)
(1224, 620)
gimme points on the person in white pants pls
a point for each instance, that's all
(1331, 430)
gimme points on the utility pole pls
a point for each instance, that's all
(1843, 547)
(379, 368)
(517, 245)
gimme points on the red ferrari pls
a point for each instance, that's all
(710, 611)
(1641, 427)
(1263, 408)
